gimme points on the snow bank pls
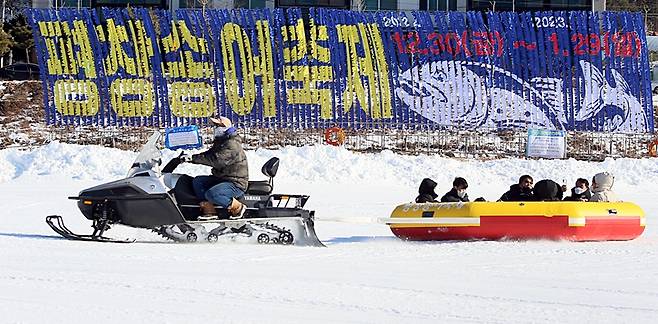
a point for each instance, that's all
(329, 164)
(76, 161)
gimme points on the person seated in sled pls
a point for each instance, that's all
(521, 191)
(458, 191)
(602, 187)
(547, 190)
(580, 192)
(230, 172)
(426, 191)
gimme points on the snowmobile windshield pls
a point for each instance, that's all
(150, 156)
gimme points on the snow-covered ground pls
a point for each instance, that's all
(364, 275)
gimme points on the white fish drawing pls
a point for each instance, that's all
(632, 117)
(615, 106)
(473, 94)
(451, 93)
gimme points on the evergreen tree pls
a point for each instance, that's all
(22, 35)
(6, 42)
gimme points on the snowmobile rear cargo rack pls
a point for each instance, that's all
(300, 200)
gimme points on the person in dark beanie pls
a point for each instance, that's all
(426, 191)
(547, 190)
(458, 191)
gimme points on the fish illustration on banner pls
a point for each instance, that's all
(435, 95)
(622, 111)
(484, 101)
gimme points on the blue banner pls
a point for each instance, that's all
(579, 71)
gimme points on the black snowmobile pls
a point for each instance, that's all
(165, 203)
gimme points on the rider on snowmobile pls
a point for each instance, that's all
(230, 172)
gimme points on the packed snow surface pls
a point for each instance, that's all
(364, 275)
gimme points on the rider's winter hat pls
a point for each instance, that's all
(223, 127)
(221, 121)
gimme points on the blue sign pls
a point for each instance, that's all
(575, 71)
(183, 137)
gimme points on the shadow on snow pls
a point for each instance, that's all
(33, 236)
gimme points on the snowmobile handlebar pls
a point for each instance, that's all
(173, 164)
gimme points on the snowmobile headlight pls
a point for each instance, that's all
(87, 202)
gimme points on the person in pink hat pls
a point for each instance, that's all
(230, 172)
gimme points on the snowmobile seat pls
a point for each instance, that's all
(265, 187)
(259, 188)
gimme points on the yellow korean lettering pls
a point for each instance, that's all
(85, 56)
(320, 73)
(53, 63)
(263, 66)
(76, 97)
(309, 77)
(364, 67)
(381, 71)
(291, 56)
(186, 66)
(132, 97)
(354, 88)
(191, 99)
(241, 104)
(146, 48)
(118, 58)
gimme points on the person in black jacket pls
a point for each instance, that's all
(458, 191)
(581, 191)
(521, 191)
(547, 190)
(230, 171)
(426, 191)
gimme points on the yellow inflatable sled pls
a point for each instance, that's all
(556, 220)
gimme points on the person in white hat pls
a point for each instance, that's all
(230, 172)
(602, 187)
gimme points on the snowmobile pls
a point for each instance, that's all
(165, 203)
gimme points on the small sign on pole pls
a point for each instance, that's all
(543, 143)
(183, 137)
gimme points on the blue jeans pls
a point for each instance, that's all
(212, 189)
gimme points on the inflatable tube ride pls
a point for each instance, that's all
(559, 220)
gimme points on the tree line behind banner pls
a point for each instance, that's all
(271, 68)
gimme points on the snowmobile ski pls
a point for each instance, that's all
(57, 224)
